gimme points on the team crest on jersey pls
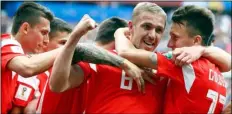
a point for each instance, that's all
(23, 92)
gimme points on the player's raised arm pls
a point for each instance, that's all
(60, 77)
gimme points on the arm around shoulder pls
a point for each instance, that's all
(30, 66)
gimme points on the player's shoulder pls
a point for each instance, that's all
(7, 39)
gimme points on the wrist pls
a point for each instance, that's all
(124, 64)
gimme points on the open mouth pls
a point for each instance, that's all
(148, 43)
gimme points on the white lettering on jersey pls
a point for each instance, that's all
(23, 92)
(189, 76)
(217, 78)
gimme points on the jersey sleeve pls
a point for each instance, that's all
(166, 68)
(25, 90)
(9, 49)
(86, 69)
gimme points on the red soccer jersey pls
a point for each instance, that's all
(10, 48)
(28, 89)
(195, 88)
(112, 91)
(70, 101)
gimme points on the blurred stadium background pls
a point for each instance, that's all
(72, 11)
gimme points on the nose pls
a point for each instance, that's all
(46, 41)
(152, 35)
(170, 44)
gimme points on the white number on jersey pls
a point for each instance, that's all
(123, 79)
(214, 96)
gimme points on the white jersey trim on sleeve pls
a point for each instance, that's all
(93, 66)
(9, 41)
(189, 76)
(47, 73)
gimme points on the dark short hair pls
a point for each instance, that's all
(107, 28)
(198, 20)
(59, 25)
(30, 12)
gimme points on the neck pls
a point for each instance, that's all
(109, 46)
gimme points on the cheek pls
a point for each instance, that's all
(37, 37)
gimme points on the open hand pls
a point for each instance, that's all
(136, 73)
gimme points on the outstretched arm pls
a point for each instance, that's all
(94, 54)
(184, 55)
(219, 57)
(28, 66)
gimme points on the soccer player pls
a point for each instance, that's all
(28, 90)
(193, 88)
(31, 25)
(105, 33)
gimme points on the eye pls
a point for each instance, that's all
(147, 26)
(159, 30)
(62, 42)
(44, 32)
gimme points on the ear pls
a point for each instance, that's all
(197, 40)
(25, 27)
(130, 25)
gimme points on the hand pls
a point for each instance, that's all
(84, 25)
(134, 72)
(122, 31)
(149, 75)
(187, 55)
(227, 110)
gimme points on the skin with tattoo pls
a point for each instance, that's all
(95, 54)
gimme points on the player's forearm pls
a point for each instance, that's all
(122, 43)
(219, 57)
(141, 57)
(60, 75)
(34, 64)
(94, 54)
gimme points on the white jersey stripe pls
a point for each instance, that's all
(189, 76)
(39, 110)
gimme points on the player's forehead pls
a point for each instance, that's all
(155, 19)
